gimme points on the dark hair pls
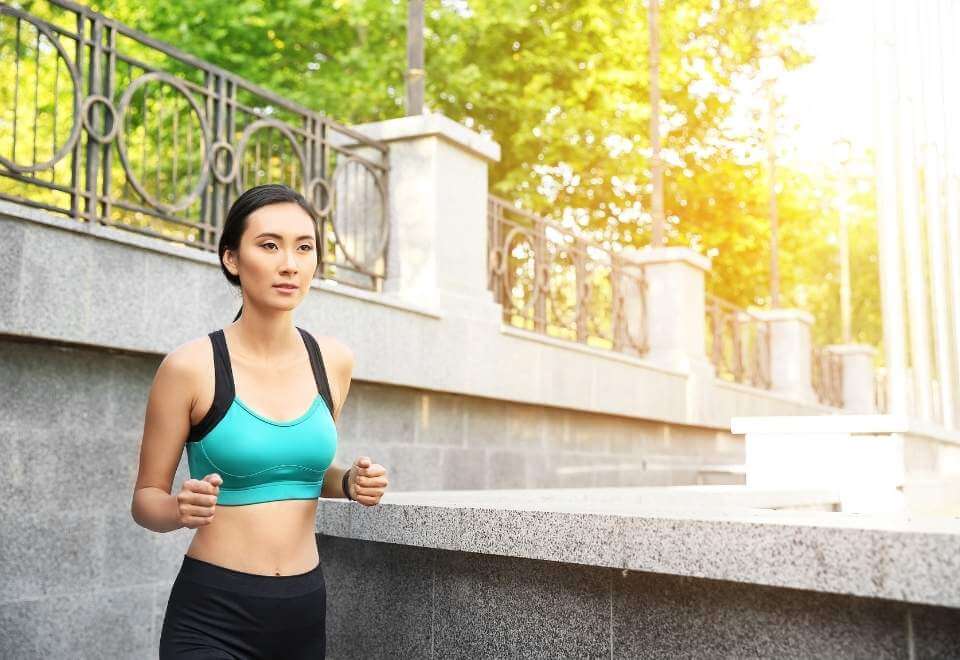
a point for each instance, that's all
(252, 199)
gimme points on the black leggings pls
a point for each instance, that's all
(216, 612)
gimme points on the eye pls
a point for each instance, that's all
(306, 245)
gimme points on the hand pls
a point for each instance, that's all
(367, 481)
(197, 500)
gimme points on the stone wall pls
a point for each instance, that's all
(396, 601)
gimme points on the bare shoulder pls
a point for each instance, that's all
(190, 352)
(190, 362)
(337, 355)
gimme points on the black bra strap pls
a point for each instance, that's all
(225, 388)
(319, 371)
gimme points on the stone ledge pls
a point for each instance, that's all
(783, 314)
(433, 124)
(869, 424)
(12, 212)
(649, 256)
(852, 349)
(893, 557)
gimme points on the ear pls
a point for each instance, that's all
(230, 261)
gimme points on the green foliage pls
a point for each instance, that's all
(343, 58)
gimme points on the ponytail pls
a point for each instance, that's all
(239, 311)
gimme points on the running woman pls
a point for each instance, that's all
(256, 405)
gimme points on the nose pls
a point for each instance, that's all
(290, 262)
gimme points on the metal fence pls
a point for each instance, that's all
(551, 280)
(827, 375)
(738, 343)
(105, 124)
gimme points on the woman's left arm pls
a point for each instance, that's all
(368, 480)
(338, 360)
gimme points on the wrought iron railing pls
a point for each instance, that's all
(738, 343)
(827, 375)
(551, 280)
(105, 124)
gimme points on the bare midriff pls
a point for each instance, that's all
(267, 538)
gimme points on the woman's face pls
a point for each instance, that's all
(277, 248)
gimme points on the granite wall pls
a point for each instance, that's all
(397, 601)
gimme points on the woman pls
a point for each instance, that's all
(256, 405)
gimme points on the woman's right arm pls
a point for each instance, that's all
(165, 429)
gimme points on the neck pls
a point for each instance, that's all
(264, 336)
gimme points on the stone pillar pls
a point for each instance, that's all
(859, 379)
(674, 305)
(790, 350)
(675, 317)
(437, 204)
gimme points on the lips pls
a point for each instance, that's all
(286, 287)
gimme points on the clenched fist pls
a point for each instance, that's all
(197, 500)
(367, 481)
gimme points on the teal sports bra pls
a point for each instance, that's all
(262, 459)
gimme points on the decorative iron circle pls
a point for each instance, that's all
(231, 173)
(84, 117)
(509, 279)
(497, 261)
(384, 227)
(245, 138)
(122, 144)
(311, 187)
(74, 78)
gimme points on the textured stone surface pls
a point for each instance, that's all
(471, 605)
(616, 500)
(103, 623)
(376, 600)
(11, 267)
(496, 607)
(45, 554)
(935, 632)
(658, 616)
(874, 556)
